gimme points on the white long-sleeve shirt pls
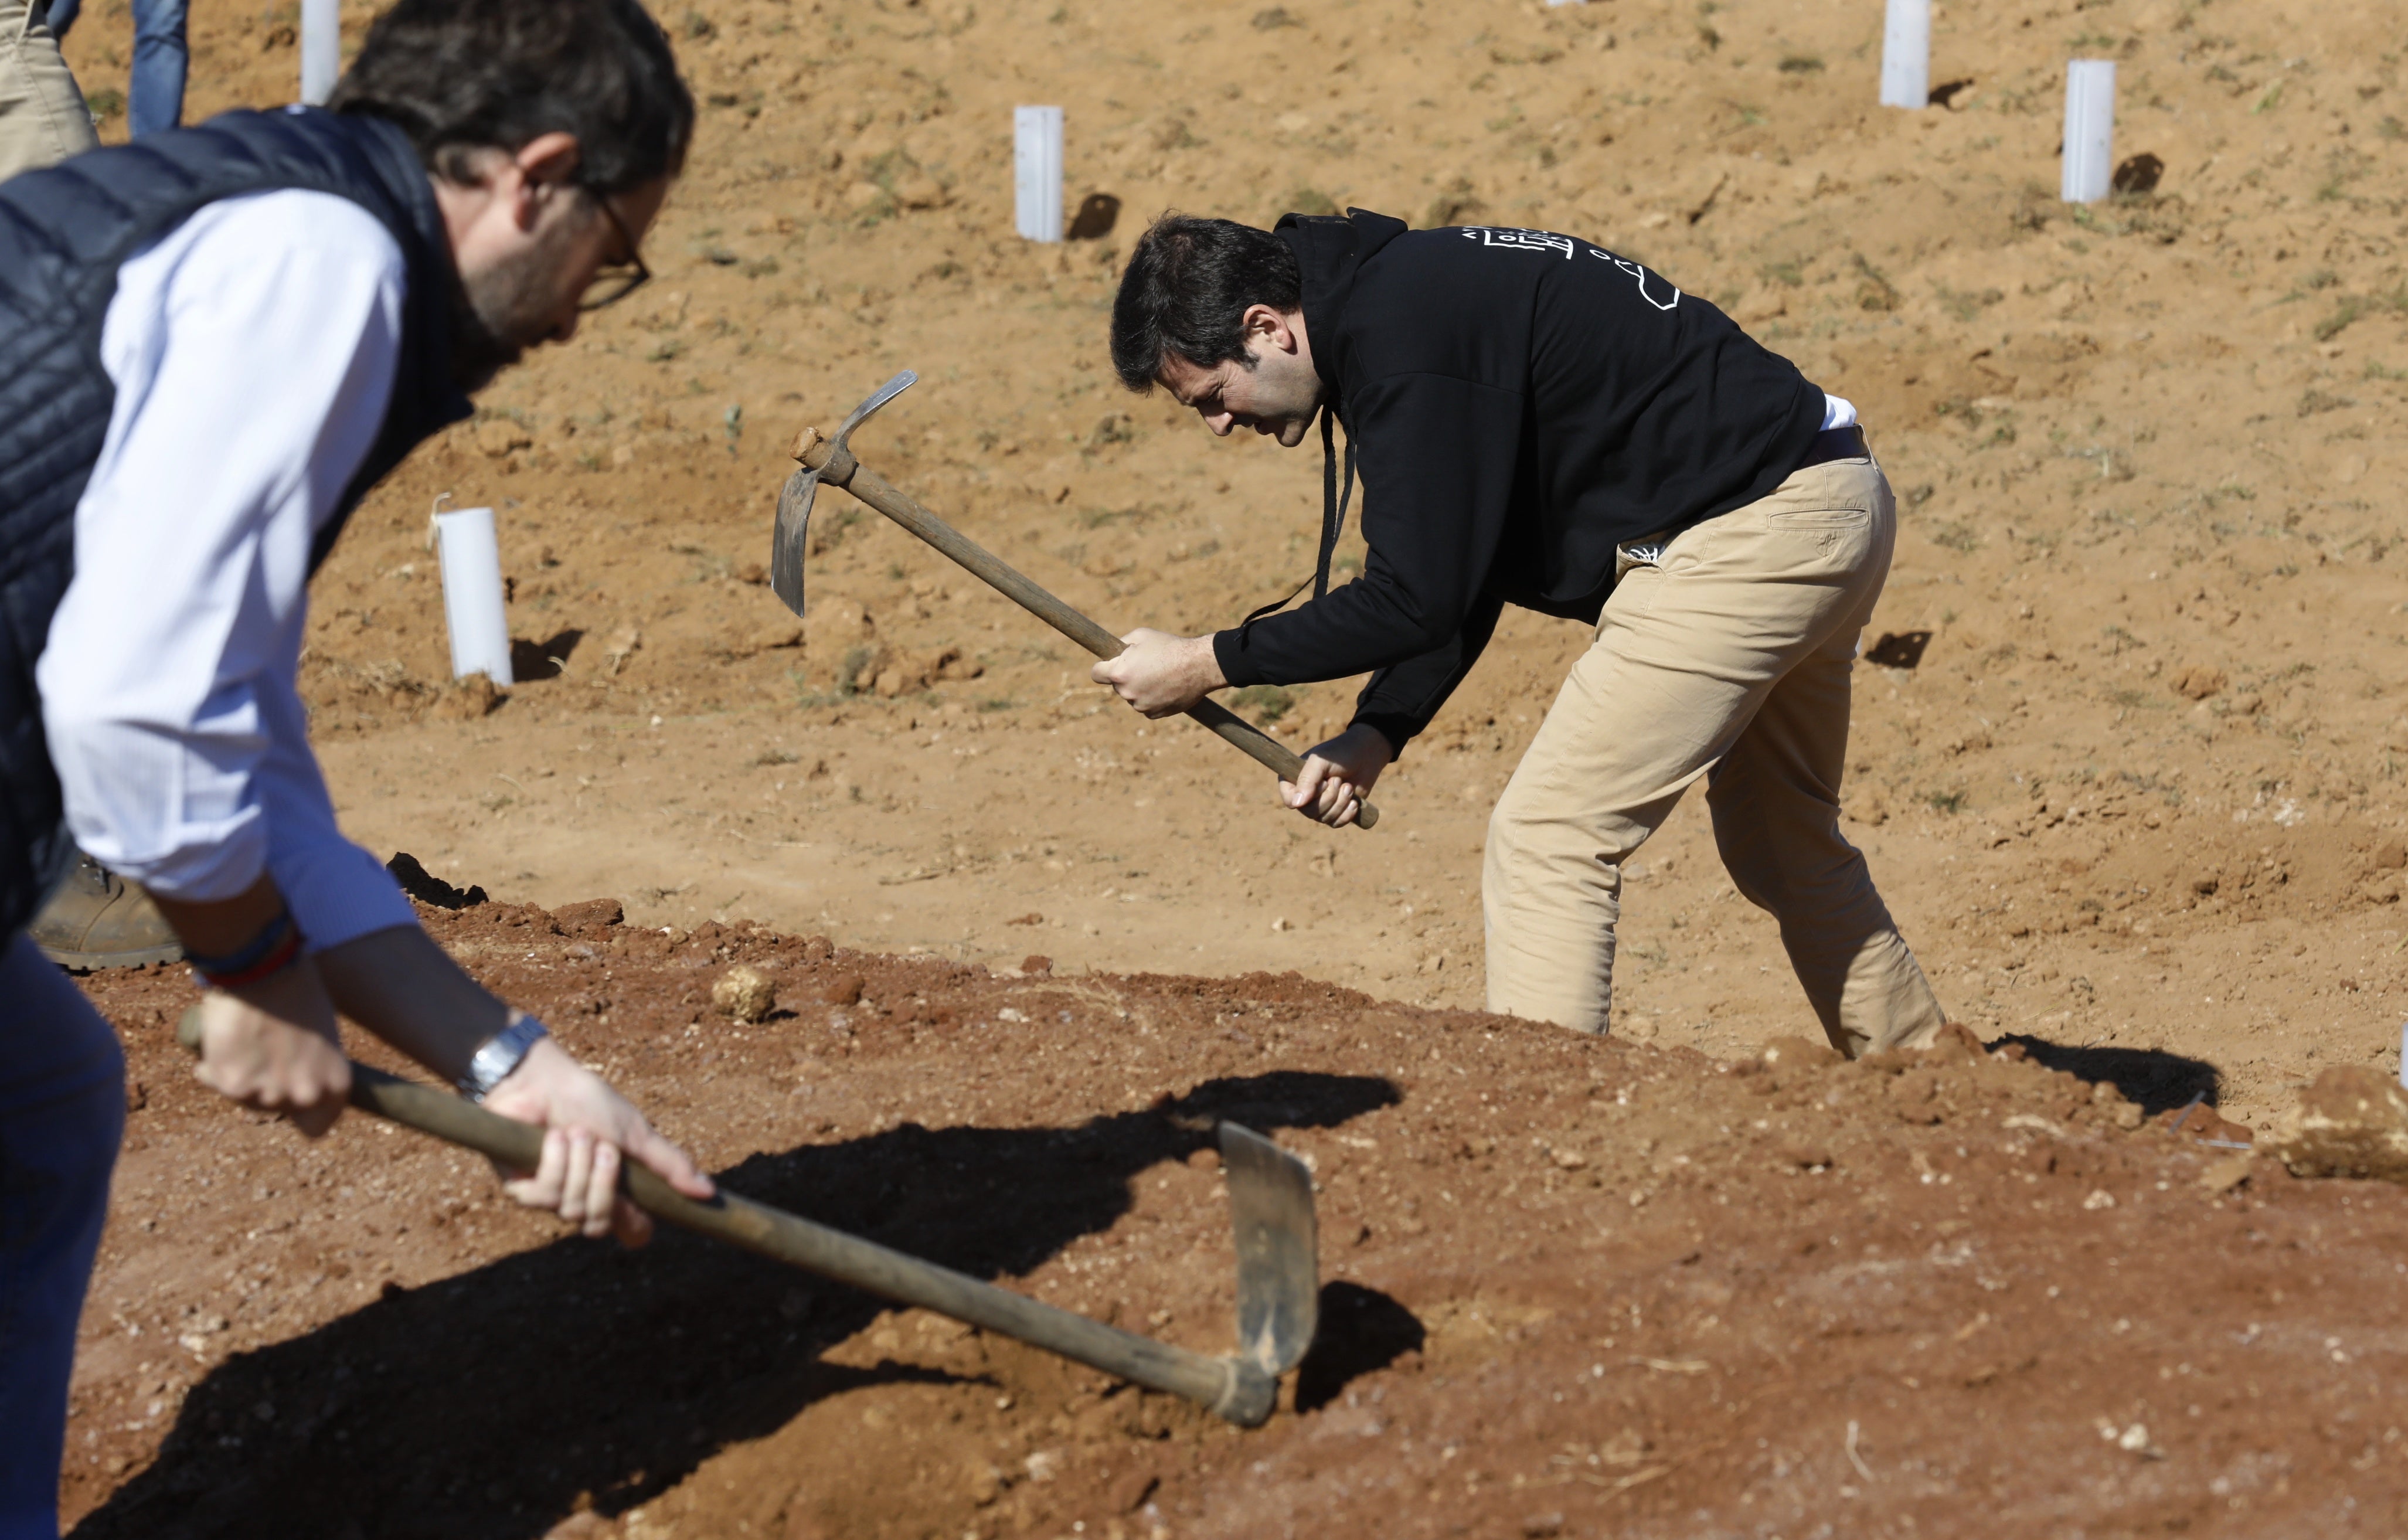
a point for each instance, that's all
(253, 349)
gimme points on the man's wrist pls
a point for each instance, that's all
(1205, 660)
(500, 1055)
(275, 947)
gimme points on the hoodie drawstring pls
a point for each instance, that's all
(1334, 499)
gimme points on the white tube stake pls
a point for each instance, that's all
(1906, 55)
(2089, 129)
(1036, 172)
(472, 595)
(321, 50)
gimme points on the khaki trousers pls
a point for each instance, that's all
(1725, 653)
(42, 117)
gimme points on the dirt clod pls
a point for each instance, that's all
(744, 993)
(2352, 1121)
(841, 989)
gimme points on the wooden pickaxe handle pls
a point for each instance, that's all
(1232, 1387)
(838, 467)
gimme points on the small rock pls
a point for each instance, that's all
(2198, 683)
(1129, 1493)
(468, 699)
(985, 1483)
(2230, 1172)
(779, 633)
(744, 993)
(920, 191)
(498, 436)
(591, 914)
(2351, 1121)
(1540, 1526)
(843, 989)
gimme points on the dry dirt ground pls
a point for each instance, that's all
(2139, 801)
(1574, 1286)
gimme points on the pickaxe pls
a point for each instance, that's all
(1271, 1200)
(831, 460)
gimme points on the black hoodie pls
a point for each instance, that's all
(1520, 404)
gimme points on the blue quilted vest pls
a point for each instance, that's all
(63, 233)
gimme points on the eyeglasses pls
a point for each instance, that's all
(614, 280)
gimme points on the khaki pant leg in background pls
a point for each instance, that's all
(1688, 655)
(43, 119)
(1775, 799)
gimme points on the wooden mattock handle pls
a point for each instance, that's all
(837, 466)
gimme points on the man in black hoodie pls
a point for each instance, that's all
(1540, 421)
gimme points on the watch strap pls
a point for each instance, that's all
(499, 1054)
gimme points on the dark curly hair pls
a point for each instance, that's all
(1188, 284)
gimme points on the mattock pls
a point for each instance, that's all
(1270, 1203)
(831, 460)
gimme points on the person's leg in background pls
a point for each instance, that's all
(62, 15)
(1590, 789)
(1775, 798)
(61, 1113)
(1687, 652)
(43, 119)
(159, 61)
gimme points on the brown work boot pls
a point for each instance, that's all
(97, 919)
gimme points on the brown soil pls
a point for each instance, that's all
(2139, 804)
(1574, 1286)
(2143, 788)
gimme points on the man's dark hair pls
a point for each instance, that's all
(463, 74)
(1188, 284)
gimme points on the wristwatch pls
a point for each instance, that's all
(501, 1053)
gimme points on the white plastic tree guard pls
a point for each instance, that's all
(1906, 55)
(321, 48)
(472, 595)
(1036, 172)
(2089, 129)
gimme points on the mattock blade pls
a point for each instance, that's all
(792, 541)
(1278, 1285)
(790, 545)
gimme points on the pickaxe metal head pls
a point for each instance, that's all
(792, 541)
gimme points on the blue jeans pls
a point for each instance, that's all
(159, 60)
(62, 1112)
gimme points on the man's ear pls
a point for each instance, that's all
(547, 163)
(1271, 326)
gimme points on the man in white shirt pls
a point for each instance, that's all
(213, 343)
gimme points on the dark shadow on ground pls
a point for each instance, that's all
(1361, 1330)
(535, 660)
(480, 1407)
(2156, 1079)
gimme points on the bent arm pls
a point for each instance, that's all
(1399, 701)
(253, 353)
